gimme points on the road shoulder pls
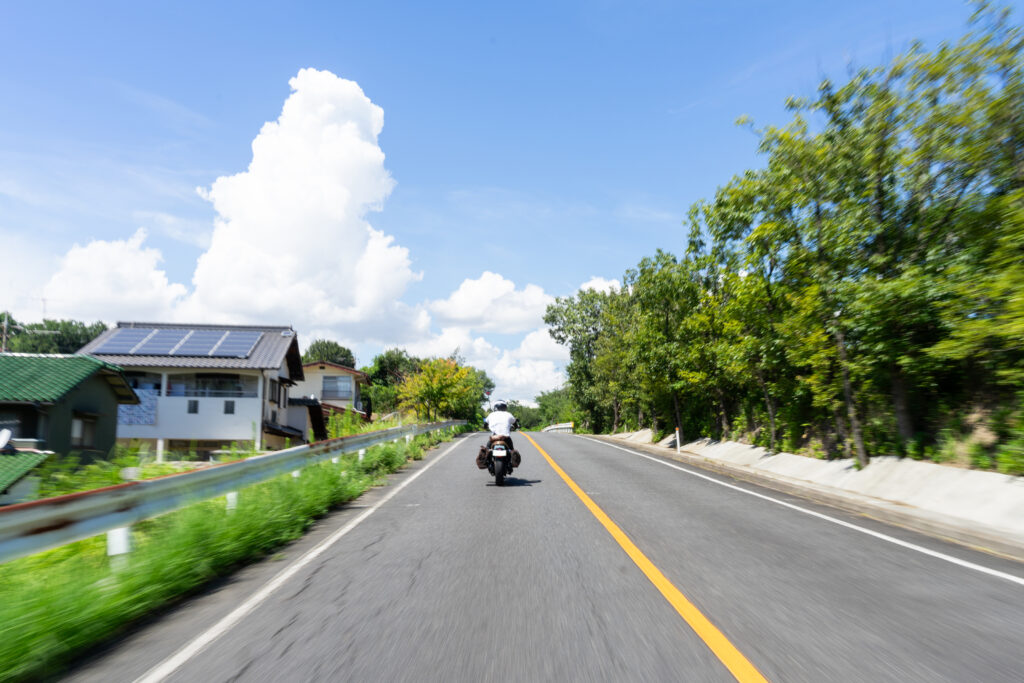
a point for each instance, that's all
(944, 527)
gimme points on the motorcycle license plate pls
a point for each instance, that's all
(499, 452)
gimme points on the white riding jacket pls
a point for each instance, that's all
(500, 422)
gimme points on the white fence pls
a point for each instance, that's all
(29, 528)
(561, 427)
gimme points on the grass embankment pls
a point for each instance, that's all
(57, 605)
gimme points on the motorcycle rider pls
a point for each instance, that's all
(501, 423)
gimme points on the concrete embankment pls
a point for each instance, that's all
(983, 510)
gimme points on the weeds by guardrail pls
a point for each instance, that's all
(31, 527)
(58, 604)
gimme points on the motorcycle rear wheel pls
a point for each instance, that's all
(499, 471)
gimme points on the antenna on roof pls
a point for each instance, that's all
(5, 335)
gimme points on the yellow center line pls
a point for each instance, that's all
(738, 665)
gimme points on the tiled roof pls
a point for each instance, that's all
(273, 348)
(14, 467)
(44, 378)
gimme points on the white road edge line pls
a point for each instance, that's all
(179, 658)
(904, 544)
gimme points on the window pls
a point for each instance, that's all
(11, 419)
(212, 384)
(193, 407)
(273, 393)
(145, 381)
(229, 407)
(337, 387)
(83, 432)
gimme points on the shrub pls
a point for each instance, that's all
(1010, 457)
(979, 456)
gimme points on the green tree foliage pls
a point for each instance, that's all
(529, 417)
(51, 336)
(577, 322)
(387, 372)
(859, 290)
(330, 351)
(442, 388)
(556, 407)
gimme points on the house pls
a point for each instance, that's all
(335, 386)
(205, 387)
(62, 403)
(327, 389)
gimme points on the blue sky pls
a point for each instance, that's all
(545, 143)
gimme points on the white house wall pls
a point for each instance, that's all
(173, 421)
(313, 386)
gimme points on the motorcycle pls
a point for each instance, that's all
(499, 462)
(501, 459)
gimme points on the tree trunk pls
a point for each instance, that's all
(675, 408)
(841, 431)
(899, 404)
(723, 415)
(615, 415)
(770, 405)
(851, 408)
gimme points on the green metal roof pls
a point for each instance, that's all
(14, 467)
(44, 378)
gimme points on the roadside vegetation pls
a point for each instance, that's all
(861, 293)
(60, 604)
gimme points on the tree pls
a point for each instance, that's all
(529, 417)
(556, 407)
(576, 321)
(860, 287)
(330, 351)
(51, 336)
(442, 388)
(386, 373)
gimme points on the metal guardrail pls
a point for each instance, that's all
(28, 528)
(560, 427)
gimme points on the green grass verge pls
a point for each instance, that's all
(58, 605)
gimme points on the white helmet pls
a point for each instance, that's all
(500, 404)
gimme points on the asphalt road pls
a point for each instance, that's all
(455, 579)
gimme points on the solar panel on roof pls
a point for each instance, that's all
(161, 343)
(123, 340)
(238, 344)
(200, 343)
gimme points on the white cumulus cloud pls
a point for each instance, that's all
(600, 284)
(291, 241)
(538, 345)
(492, 303)
(113, 279)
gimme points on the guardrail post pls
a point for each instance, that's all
(362, 453)
(119, 544)
(295, 473)
(335, 460)
(677, 440)
(408, 438)
(232, 500)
